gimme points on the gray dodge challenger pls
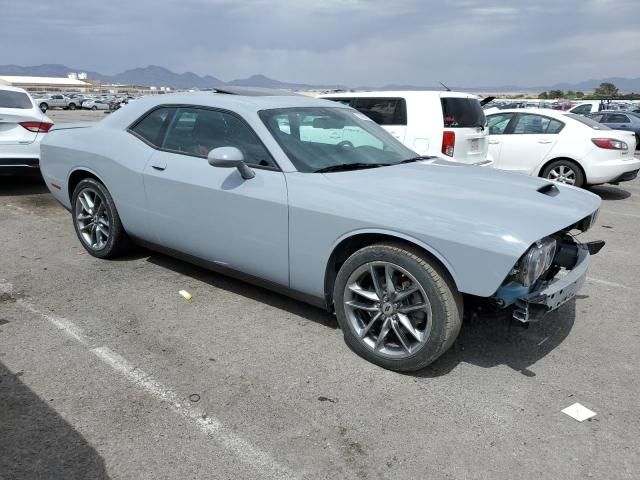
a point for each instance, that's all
(312, 199)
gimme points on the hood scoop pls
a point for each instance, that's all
(549, 189)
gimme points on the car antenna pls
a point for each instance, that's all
(445, 87)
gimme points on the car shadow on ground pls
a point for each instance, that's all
(485, 342)
(22, 185)
(489, 342)
(245, 289)
(610, 192)
(35, 442)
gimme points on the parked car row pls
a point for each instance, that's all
(75, 101)
(553, 144)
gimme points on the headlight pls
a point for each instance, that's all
(536, 261)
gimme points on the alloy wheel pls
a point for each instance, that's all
(388, 309)
(563, 174)
(92, 218)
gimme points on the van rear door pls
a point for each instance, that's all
(465, 138)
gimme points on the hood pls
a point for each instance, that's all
(482, 205)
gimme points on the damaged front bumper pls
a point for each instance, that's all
(554, 293)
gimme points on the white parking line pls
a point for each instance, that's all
(211, 426)
(612, 284)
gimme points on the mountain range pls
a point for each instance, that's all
(154, 75)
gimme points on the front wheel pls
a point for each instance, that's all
(43, 107)
(564, 171)
(397, 308)
(72, 106)
(94, 108)
(96, 220)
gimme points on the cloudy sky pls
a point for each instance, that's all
(353, 42)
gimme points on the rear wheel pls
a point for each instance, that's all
(96, 220)
(396, 306)
(44, 107)
(94, 108)
(72, 106)
(564, 171)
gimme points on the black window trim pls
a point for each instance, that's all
(165, 128)
(514, 121)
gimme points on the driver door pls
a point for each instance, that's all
(213, 213)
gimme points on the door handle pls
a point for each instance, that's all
(544, 140)
(493, 142)
(158, 164)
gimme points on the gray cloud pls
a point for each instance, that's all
(357, 42)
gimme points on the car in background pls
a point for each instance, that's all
(96, 104)
(57, 101)
(22, 126)
(255, 187)
(619, 120)
(447, 124)
(560, 146)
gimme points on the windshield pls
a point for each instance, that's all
(462, 112)
(318, 138)
(589, 122)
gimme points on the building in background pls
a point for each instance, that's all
(74, 82)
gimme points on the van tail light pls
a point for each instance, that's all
(38, 127)
(448, 143)
(610, 143)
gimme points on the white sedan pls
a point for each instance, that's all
(95, 105)
(560, 146)
(22, 127)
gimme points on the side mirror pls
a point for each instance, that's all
(230, 157)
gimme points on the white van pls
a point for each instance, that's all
(451, 125)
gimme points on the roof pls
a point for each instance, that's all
(398, 93)
(44, 81)
(244, 105)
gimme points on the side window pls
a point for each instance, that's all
(582, 109)
(554, 126)
(617, 118)
(196, 131)
(536, 124)
(498, 123)
(383, 111)
(597, 117)
(152, 127)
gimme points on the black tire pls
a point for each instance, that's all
(117, 241)
(446, 304)
(94, 108)
(44, 107)
(567, 164)
(72, 106)
(637, 141)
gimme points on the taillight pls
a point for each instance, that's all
(38, 127)
(610, 143)
(448, 143)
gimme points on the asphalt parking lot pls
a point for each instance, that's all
(107, 372)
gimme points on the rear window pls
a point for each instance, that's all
(10, 99)
(383, 111)
(588, 122)
(460, 112)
